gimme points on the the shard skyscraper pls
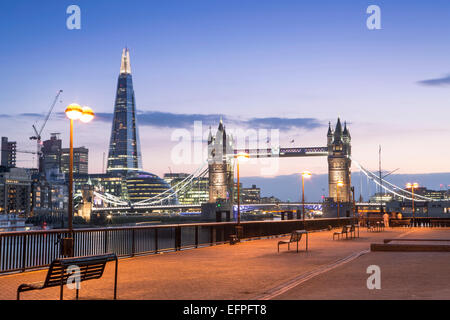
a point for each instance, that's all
(124, 147)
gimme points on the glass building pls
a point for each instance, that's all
(197, 193)
(124, 148)
(144, 185)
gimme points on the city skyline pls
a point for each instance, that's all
(179, 78)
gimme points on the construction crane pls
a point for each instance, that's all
(37, 135)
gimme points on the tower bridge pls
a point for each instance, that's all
(221, 152)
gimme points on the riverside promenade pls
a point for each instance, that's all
(254, 270)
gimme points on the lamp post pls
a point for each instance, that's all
(339, 184)
(412, 186)
(305, 175)
(241, 155)
(85, 114)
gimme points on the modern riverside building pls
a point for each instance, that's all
(15, 191)
(124, 148)
(197, 193)
(144, 185)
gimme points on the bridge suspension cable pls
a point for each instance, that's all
(186, 181)
(374, 178)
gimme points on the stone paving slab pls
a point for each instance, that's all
(404, 275)
(242, 271)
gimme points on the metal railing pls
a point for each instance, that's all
(24, 250)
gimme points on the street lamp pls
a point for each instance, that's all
(339, 184)
(85, 114)
(240, 155)
(305, 175)
(412, 186)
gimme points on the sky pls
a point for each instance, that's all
(287, 65)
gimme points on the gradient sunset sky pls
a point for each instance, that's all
(288, 65)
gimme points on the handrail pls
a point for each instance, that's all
(159, 226)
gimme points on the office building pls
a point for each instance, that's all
(80, 160)
(51, 157)
(8, 158)
(196, 192)
(15, 191)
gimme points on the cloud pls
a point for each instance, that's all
(176, 120)
(179, 120)
(444, 81)
(284, 123)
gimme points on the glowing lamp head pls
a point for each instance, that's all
(87, 115)
(242, 155)
(412, 185)
(74, 111)
(306, 174)
(340, 184)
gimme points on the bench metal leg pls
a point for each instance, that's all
(61, 289)
(115, 279)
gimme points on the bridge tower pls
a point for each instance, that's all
(220, 168)
(339, 162)
(87, 193)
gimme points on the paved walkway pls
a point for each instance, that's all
(254, 270)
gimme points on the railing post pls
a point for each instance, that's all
(106, 241)
(24, 251)
(196, 236)
(177, 238)
(211, 235)
(156, 240)
(132, 242)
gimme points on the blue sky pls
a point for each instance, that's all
(244, 60)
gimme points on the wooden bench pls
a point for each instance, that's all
(352, 230)
(399, 223)
(296, 236)
(91, 267)
(342, 232)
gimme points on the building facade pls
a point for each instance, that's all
(250, 195)
(80, 160)
(124, 149)
(8, 158)
(15, 191)
(143, 185)
(196, 193)
(51, 157)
